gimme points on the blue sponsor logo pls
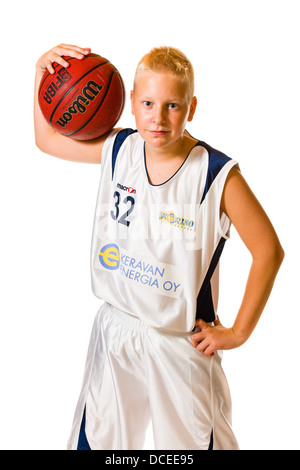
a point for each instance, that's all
(109, 256)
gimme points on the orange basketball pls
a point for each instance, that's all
(85, 100)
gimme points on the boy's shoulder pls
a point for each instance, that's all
(217, 159)
(121, 136)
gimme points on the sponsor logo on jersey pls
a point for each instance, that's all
(171, 219)
(109, 257)
(164, 279)
(129, 189)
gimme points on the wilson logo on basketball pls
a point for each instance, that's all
(89, 92)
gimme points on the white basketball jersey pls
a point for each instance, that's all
(156, 248)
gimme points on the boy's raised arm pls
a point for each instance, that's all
(47, 139)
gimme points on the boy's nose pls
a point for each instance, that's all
(158, 116)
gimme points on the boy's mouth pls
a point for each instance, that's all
(158, 133)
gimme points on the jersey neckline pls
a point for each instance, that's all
(197, 144)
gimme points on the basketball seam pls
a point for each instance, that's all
(74, 84)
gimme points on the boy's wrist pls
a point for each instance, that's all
(240, 335)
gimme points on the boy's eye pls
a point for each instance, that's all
(173, 105)
(147, 103)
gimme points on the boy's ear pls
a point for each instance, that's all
(131, 99)
(192, 109)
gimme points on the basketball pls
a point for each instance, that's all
(85, 100)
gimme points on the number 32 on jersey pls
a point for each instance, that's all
(122, 209)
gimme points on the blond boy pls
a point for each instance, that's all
(165, 205)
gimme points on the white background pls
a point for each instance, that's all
(246, 56)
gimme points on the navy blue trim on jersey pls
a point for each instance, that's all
(82, 441)
(211, 444)
(205, 306)
(121, 137)
(216, 162)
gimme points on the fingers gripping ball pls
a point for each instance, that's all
(85, 100)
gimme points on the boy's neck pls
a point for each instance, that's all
(162, 164)
(179, 150)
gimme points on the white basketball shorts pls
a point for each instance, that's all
(135, 373)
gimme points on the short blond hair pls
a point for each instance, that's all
(168, 59)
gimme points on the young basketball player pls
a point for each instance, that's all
(165, 204)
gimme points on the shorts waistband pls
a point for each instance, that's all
(136, 323)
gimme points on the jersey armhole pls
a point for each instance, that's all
(119, 140)
(108, 144)
(224, 223)
(219, 166)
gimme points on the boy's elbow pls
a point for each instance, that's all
(44, 138)
(270, 254)
(276, 255)
(39, 143)
(280, 254)
(43, 145)
(42, 148)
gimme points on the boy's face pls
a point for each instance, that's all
(161, 108)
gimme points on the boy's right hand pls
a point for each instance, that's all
(46, 138)
(56, 55)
